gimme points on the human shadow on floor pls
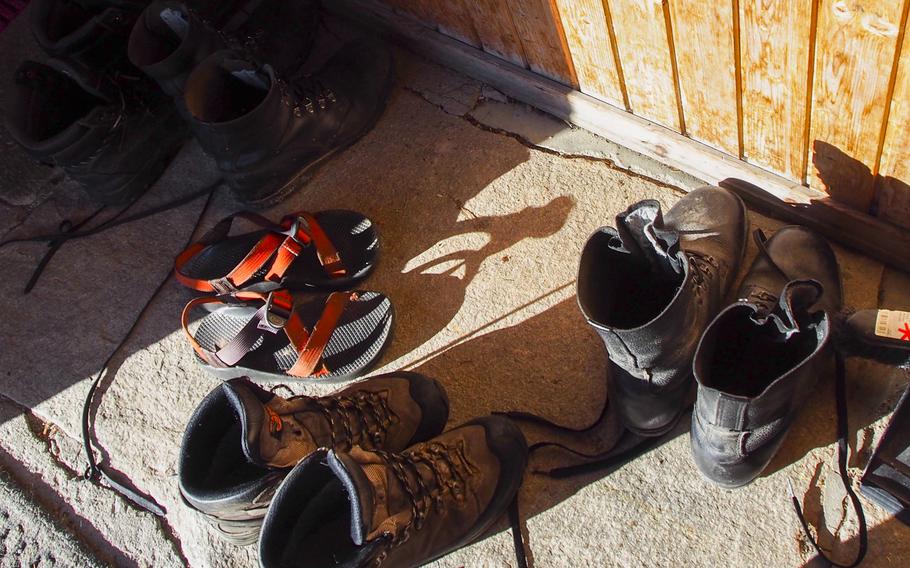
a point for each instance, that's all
(888, 547)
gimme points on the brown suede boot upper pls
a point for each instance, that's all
(279, 432)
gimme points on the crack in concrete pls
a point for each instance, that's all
(43, 431)
(467, 117)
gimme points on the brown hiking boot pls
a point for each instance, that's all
(242, 440)
(372, 508)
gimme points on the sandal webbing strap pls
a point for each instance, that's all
(311, 352)
(283, 243)
(277, 313)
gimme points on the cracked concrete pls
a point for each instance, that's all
(483, 206)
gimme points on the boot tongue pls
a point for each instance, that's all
(795, 302)
(247, 73)
(642, 232)
(269, 437)
(169, 19)
(379, 502)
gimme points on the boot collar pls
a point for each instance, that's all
(108, 16)
(790, 317)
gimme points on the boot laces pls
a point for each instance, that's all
(310, 94)
(450, 470)
(704, 266)
(368, 410)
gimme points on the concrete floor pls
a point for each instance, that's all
(483, 207)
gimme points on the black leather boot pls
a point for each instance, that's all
(109, 133)
(89, 32)
(649, 287)
(761, 357)
(267, 134)
(171, 38)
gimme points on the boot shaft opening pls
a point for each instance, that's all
(621, 290)
(223, 89)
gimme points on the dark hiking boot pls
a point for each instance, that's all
(649, 287)
(267, 134)
(242, 440)
(171, 38)
(759, 360)
(107, 132)
(368, 508)
(90, 32)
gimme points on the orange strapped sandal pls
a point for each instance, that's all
(278, 335)
(328, 250)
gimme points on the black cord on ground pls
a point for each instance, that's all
(517, 539)
(95, 469)
(840, 386)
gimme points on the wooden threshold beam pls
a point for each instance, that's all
(769, 193)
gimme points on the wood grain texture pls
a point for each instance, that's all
(894, 169)
(588, 38)
(855, 47)
(540, 31)
(644, 50)
(703, 38)
(774, 58)
(796, 203)
(413, 8)
(493, 22)
(453, 19)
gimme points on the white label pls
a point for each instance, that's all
(893, 325)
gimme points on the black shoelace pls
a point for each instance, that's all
(70, 231)
(95, 469)
(843, 449)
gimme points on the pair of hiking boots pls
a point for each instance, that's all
(654, 288)
(364, 477)
(226, 69)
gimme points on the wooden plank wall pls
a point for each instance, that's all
(815, 90)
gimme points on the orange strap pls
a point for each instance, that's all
(311, 352)
(309, 345)
(325, 250)
(281, 245)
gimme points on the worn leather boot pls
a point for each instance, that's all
(370, 508)
(759, 360)
(171, 38)
(268, 134)
(242, 440)
(90, 32)
(109, 133)
(649, 287)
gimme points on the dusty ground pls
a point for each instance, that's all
(483, 207)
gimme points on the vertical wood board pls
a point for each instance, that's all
(774, 38)
(703, 40)
(414, 8)
(493, 23)
(644, 52)
(894, 197)
(543, 40)
(588, 38)
(454, 20)
(856, 42)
